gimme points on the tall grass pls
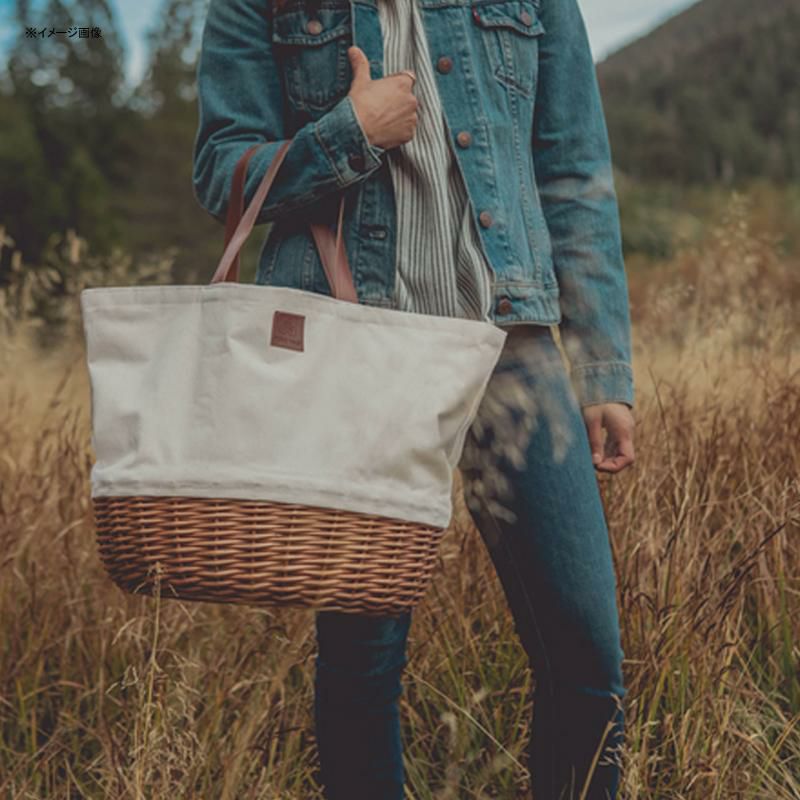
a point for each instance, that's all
(105, 695)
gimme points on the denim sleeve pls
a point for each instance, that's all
(572, 162)
(241, 102)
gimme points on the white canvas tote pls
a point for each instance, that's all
(258, 393)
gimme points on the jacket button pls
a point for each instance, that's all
(486, 219)
(525, 18)
(505, 306)
(356, 162)
(464, 138)
(444, 64)
(314, 26)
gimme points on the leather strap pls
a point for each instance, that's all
(238, 226)
(334, 258)
(236, 206)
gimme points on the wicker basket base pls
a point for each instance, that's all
(264, 553)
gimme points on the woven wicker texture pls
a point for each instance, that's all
(262, 553)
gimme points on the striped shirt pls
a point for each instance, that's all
(441, 267)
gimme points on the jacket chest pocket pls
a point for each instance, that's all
(310, 42)
(510, 32)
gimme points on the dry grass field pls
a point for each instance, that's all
(105, 695)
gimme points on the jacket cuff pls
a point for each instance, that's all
(605, 382)
(344, 142)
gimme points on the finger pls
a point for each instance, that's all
(359, 63)
(614, 464)
(405, 73)
(619, 454)
(594, 429)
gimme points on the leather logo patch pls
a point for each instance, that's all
(287, 330)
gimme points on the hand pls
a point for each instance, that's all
(386, 107)
(617, 419)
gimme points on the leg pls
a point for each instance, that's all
(358, 668)
(532, 490)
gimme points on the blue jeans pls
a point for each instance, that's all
(533, 494)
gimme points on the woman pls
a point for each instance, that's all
(469, 138)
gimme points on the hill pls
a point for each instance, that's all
(712, 94)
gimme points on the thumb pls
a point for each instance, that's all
(359, 63)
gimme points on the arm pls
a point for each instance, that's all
(572, 162)
(241, 101)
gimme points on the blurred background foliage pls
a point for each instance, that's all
(705, 104)
(79, 151)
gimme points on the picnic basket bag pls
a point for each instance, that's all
(268, 445)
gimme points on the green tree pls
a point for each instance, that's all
(160, 207)
(68, 147)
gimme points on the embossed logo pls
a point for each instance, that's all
(287, 330)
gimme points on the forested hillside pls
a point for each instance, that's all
(80, 150)
(713, 94)
(710, 98)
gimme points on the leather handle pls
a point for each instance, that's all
(238, 226)
(242, 224)
(334, 258)
(236, 207)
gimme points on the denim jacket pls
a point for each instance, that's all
(517, 76)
